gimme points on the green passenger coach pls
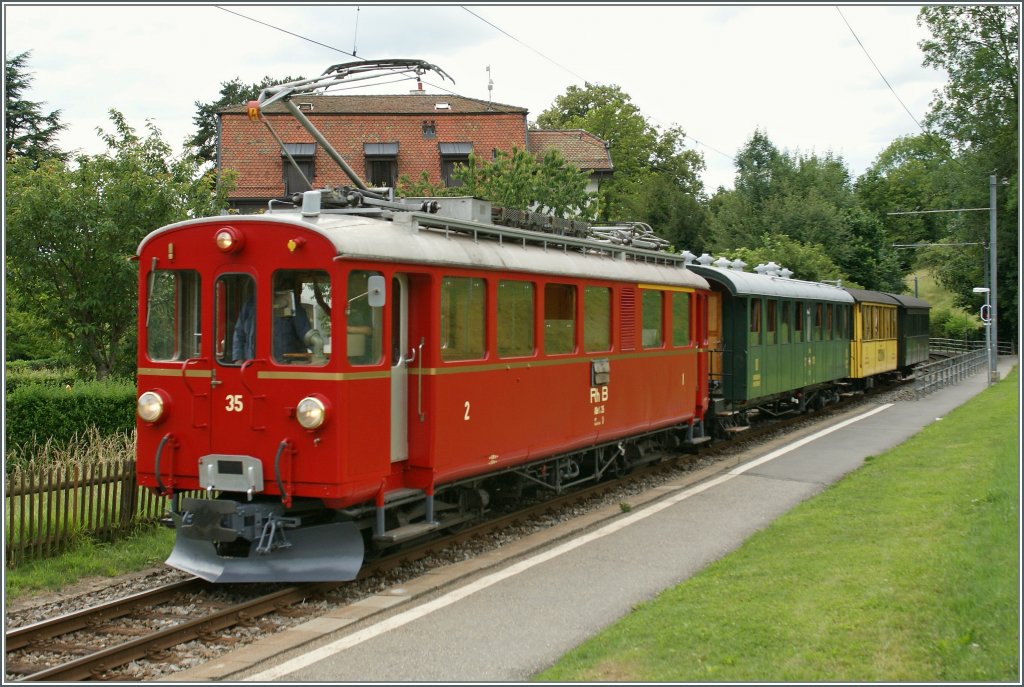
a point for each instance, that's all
(783, 344)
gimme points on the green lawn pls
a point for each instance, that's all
(148, 547)
(906, 570)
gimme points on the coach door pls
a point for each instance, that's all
(402, 356)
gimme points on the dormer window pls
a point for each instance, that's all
(442, 106)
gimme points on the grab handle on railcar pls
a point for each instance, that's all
(419, 379)
(163, 490)
(285, 498)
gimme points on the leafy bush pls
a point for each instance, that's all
(46, 373)
(37, 412)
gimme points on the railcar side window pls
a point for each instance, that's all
(463, 334)
(364, 344)
(828, 322)
(597, 309)
(172, 316)
(234, 319)
(798, 329)
(301, 312)
(515, 318)
(651, 314)
(559, 318)
(770, 324)
(680, 319)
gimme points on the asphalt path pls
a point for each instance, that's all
(512, 621)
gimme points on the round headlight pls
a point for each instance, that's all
(229, 239)
(150, 406)
(311, 412)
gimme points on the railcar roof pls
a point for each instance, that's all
(753, 284)
(865, 296)
(405, 240)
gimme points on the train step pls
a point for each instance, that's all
(736, 430)
(697, 441)
(402, 494)
(407, 532)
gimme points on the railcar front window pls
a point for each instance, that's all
(300, 303)
(234, 319)
(463, 335)
(172, 317)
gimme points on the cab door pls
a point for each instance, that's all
(236, 407)
(401, 357)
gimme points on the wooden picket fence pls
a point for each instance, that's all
(47, 508)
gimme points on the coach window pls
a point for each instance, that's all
(234, 319)
(463, 334)
(817, 321)
(785, 322)
(301, 317)
(172, 315)
(597, 319)
(828, 322)
(559, 319)
(651, 317)
(680, 319)
(770, 324)
(515, 318)
(755, 322)
(798, 322)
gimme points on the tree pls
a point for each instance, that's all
(232, 92)
(809, 199)
(656, 178)
(71, 229)
(977, 112)
(808, 262)
(911, 174)
(516, 180)
(29, 133)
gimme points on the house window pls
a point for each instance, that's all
(429, 130)
(453, 154)
(381, 164)
(298, 177)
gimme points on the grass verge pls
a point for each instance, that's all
(906, 570)
(145, 548)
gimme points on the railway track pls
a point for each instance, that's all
(98, 642)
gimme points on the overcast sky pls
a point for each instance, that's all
(719, 71)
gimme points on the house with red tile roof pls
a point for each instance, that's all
(381, 138)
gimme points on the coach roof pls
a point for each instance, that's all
(752, 284)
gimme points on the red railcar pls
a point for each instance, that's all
(358, 371)
(434, 354)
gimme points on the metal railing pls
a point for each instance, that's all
(942, 373)
(960, 345)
